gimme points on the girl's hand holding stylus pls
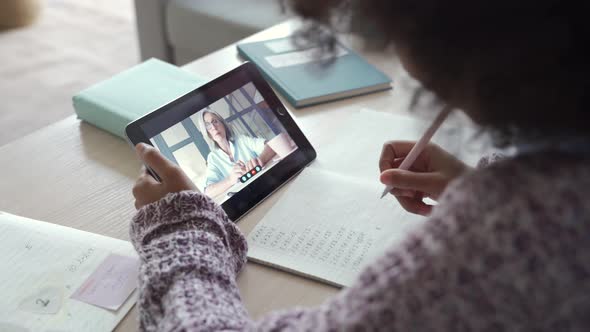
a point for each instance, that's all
(428, 176)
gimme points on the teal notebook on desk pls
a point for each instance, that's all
(111, 104)
(299, 75)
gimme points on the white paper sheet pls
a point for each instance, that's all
(328, 226)
(281, 45)
(302, 57)
(42, 265)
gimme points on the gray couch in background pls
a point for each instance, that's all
(179, 31)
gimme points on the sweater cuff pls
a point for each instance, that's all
(183, 211)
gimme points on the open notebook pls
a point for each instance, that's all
(328, 226)
(44, 264)
(330, 222)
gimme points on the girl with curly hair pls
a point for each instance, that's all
(507, 247)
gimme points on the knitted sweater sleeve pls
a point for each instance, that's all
(458, 272)
(190, 254)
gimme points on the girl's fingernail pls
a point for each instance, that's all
(142, 147)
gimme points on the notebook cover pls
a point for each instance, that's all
(303, 84)
(113, 103)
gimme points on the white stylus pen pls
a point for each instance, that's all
(421, 144)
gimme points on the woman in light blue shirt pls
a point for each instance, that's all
(231, 155)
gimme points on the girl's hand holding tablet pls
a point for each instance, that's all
(173, 179)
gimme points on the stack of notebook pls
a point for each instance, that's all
(305, 75)
(110, 105)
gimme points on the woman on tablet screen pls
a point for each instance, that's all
(507, 247)
(231, 155)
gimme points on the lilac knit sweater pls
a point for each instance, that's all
(506, 249)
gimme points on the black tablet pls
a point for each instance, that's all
(232, 137)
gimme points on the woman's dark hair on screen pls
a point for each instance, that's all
(522, 65)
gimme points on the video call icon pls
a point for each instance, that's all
(250, 174)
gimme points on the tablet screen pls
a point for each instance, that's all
(228, 144)
(232, 136)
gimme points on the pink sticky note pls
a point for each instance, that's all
(111, 283)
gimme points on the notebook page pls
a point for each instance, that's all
(328, 226)
(42, 265)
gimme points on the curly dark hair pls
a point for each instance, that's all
(521, 64)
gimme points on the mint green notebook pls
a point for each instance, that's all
(298, 75)
(113, 103)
